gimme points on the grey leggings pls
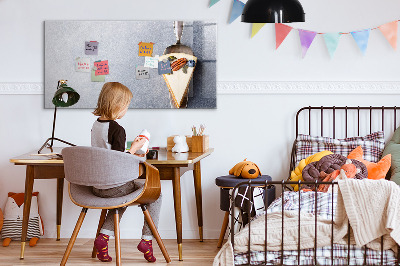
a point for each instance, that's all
(154, 208)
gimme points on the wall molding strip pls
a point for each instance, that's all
(260, 87)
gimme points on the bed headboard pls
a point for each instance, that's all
(344, 121)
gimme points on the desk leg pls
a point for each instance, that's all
(60, 190)
(197, 189)
(176, 182)
(27, 206)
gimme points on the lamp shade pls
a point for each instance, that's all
(65, 96)
(273, 11)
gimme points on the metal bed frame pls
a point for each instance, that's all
(283, 184)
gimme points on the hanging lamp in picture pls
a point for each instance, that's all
(64, 96)
(273, 11)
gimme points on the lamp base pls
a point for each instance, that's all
(50, 146)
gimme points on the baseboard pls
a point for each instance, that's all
(260, 87)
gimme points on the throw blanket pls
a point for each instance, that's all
(371, 206)
(373, 209)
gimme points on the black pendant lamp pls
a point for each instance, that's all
(273, 11)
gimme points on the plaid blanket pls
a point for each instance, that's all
(323, 205)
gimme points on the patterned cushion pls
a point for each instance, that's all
(372, 144)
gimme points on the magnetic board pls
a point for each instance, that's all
(118, 42)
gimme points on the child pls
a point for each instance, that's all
(106, 133)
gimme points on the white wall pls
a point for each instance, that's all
(257, 127)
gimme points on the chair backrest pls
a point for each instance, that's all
(92, 166)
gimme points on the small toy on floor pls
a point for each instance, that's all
(13, 215)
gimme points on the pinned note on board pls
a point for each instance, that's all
(151, 62)
(145, 48)
(164, 67)
(82, 64)
(101, 67)
(100, 78)
(142, 72)
(91, 48)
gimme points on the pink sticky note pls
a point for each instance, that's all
(101, 68)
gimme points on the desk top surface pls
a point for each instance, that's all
(164, 157)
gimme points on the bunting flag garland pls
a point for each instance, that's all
(281, 31)
(361, 37)
(332, 41)
(389, 30)
(213, 2)
(237, 8)
(256, 27)
(306, 39)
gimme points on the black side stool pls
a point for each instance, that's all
(226, 183)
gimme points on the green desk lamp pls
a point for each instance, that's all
(64, 97)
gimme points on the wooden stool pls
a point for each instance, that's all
(226, 183)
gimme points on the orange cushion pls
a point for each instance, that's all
(375, 170)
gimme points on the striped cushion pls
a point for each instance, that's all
(372, 145)
(13, 228)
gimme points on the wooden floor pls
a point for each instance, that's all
(50, 252)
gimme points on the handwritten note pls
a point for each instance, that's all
(91, 48)
(142, 72)
(164, 67)
(94, 78)
(151, 62)
(82, 64)
(101, 67)
(145, 48)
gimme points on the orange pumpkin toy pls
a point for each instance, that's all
(245, 169)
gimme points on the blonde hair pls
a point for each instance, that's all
(112, 99)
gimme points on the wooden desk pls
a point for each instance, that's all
(171, 167)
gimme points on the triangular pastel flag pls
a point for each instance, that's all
(389, 30)
(361, 37)
(306, 39)
(237, 9)
(255, 28)
(281, 31)
(213, 2)
(332, 41)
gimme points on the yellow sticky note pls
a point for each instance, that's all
(145, 48)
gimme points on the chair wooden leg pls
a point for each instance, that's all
(223, 229)
(154, 230)
(117, 239)
(101, 222)
(73, 237)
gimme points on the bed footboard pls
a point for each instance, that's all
(311, 255)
